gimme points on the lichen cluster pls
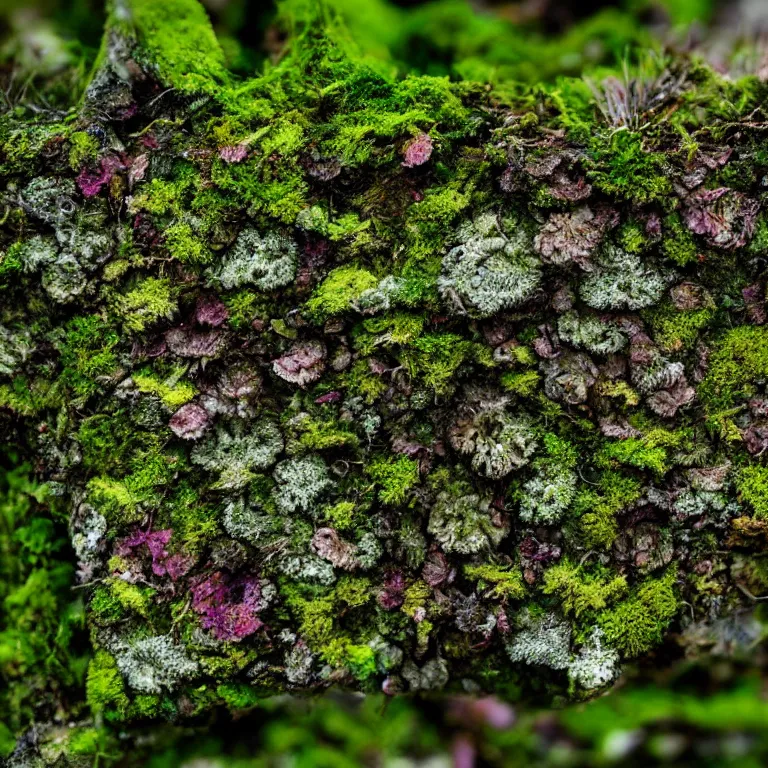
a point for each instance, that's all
(349, 379)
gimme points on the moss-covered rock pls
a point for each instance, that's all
(348, 378)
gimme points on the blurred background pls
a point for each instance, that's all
(491, 40)
(706, 712)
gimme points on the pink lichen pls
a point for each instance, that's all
(234, 154)
(91, 182)
(163, 562)
(573, 237)
(303, 364)
(211, 311)
(189, 422)
(187, 342)
(725, 217)
(229, 607)
(417, 151)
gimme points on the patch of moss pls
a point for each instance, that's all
(637, 624)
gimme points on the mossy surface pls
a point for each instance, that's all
(347, 377)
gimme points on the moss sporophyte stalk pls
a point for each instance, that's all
(341, 377)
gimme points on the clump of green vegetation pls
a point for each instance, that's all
(83, 148)
(338, 292)
(43, 653)
(637, 624)
(87, 354)
(627, 168)
(738, 359)
(395, 477)
(752, 484)
(149, 301)
(173, 390)
(597, 507)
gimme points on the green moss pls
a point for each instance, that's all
(26, 398)
(107, 441)
(353, 591)
(637, 624)
(242, 307)
(239, 696)
(105, 690)
(321, 435)
(194, 523)
(185, 246)
(341, 516)
(82, 148)
(626, 167)
(678, 243)
(87, 353)
(11, 265)
(499, 581)
(131, 597)
(435, 358)
(360, 660)
(596, 508)
(161, 197)
(738, 360)
(430, 221)
(338, 292)
(752, 484)
(675, 330)
(173, 391)
(648, 452)
(42, 652)
(416, 597)
(400, 328)
(177, 41)
(632, 238)
(150, 469)
(620, 390)
(395, 477)
(150, 300)
(362, 381)
(523, 383)
(580, 591)
(90, 741)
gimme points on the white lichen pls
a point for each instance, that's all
(300, 484)
(236, 455)
(489, 271)
(154, 664)
(267, 262)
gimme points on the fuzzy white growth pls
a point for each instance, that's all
(155, 663)
(251, 524)
(384, 296)
(547, 496)
(489, 271)
(544, 641)
(591, 333)
(497, 441)
(15, 347)
(622, 281)
(463, 524)
(307, 567)
(236, 456)
(300, 483)
(595, 665)
(268, 262)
